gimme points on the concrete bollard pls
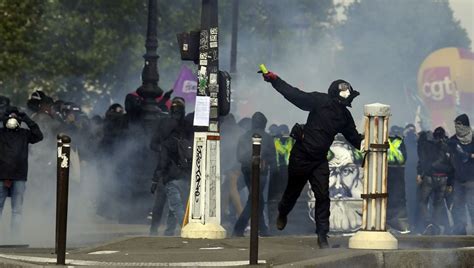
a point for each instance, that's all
(373, 233)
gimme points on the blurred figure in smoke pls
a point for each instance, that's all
(397, 217)
(173, 142)
(461, 147)
(328, 115)
(410, 140)
(231, 203)
(435, 174)
(134, 104)
(283, 144)
(244, 156)
(115, 126)
(245, 123)
(4, 104)
(36, 98)
(14, 142)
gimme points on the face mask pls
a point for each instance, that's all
(12, 123)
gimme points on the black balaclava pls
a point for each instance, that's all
(337, 87)
(178, 108)
(259, 121)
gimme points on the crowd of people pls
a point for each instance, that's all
(142, 172)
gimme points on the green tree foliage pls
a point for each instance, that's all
(384, 42)
(88, 50)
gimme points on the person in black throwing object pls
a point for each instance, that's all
(328, 116)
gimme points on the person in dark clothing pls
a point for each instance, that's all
(244, 156)
(172, 174)
(461, 148)
(14, 142)
(435, 174)
(114, 128)
(328, 116)
(397, 216)
(410, 140)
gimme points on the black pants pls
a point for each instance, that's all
(300, 171)
(436, 188)
(244, 217)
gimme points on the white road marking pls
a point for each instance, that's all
(103, 252)
(144, 264)
(214, 248)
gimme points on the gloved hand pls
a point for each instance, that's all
(268, 77)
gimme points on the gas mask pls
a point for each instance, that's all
(344, 90)
(12, 123)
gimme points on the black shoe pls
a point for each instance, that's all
(281, 222)
(323, 241)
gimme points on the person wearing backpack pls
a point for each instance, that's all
(173, 143)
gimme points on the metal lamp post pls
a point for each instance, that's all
(150, 90)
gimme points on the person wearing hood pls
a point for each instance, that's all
(435, 174)
(173, 144)
(461, 148)
(244, 156)
(328, 116)
(4, 104)
(14, 142)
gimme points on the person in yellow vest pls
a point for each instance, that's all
(279, 176)
(397, 216)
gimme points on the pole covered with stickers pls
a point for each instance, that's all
(204, 209)
(373, 233)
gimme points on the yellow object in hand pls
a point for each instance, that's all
(263, 68)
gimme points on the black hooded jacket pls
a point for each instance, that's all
(244, 148)
(433, 157)
(165, 142)
(327, 117)
(14, 151)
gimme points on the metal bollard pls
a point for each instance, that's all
(256, 144)
(62, 202)
(58, 170)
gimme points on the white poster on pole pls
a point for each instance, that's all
(202, 110)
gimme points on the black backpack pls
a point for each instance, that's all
(185, 153)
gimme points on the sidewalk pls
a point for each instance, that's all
(298, 251)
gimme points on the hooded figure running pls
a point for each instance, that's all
(328, 115)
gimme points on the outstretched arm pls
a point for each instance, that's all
(303, 100)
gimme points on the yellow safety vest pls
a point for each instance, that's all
(283, 149)
(395, 155)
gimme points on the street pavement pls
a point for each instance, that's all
(285, 251)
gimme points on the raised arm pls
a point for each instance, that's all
(303, 100)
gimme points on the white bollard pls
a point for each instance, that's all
(204, 217)
(373, 233)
